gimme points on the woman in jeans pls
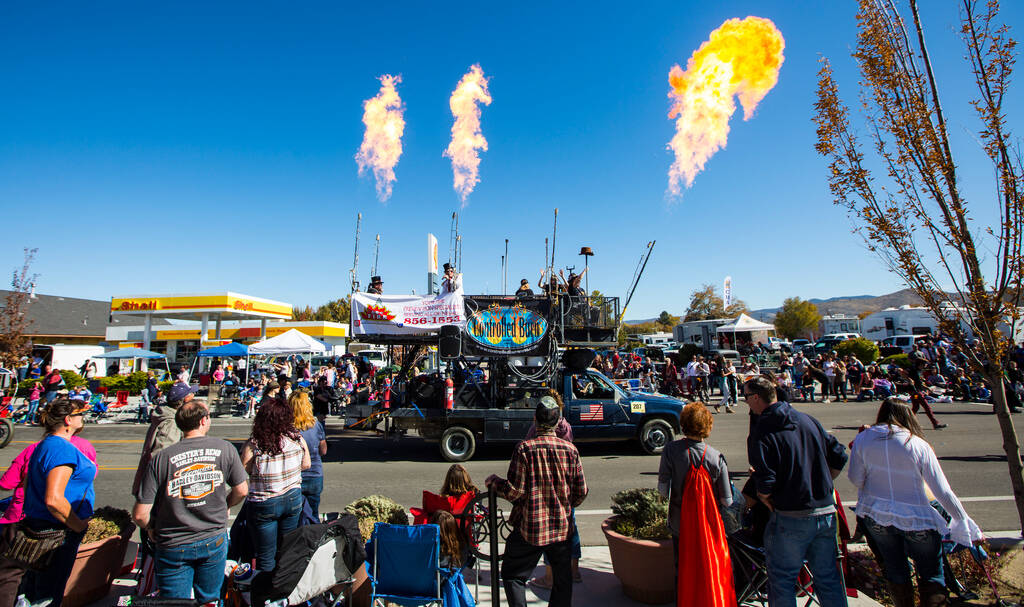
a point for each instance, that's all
(274, 456)
(891, 464)
(59, 495)
(312, 431)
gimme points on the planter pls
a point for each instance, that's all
(95, 567)
(644, 567)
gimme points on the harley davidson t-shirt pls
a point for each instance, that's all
(188, 484)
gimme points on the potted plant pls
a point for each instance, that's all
(370, 510)
(100, 556)
(640, 546)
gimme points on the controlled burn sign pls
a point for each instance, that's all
(500, 329)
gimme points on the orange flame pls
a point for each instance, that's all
(382, 143)
(741, 58)
(466, 135)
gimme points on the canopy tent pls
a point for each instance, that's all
(745, 323)
(231, 350)
(289, 342)
(134, 353)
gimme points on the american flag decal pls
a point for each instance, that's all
(592, 413)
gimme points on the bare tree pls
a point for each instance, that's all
(14, 344)
(912, 210)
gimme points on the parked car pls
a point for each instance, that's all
(777, 344)
(799, 344)
(899, 344)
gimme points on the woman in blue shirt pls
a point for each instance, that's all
(59, 494)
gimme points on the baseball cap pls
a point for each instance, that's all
(179, 391)
(547, 413)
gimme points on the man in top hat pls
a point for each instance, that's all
(452, 280)
(376, 286)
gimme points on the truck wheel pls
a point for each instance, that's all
(655, 434)
(457, 444)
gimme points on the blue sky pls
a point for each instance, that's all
(191, 147)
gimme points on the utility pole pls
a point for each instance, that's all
(355, 256)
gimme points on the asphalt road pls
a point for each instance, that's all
(359, 464)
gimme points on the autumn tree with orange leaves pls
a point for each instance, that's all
(901, 187)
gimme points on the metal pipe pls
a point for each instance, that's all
(492, 525)
(554, 235)
(504, 276)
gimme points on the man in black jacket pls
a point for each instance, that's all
(794, 462)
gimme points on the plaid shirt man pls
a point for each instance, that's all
(545, 482)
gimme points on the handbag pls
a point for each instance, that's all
(30, 548)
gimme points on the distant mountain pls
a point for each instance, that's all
(852, 305)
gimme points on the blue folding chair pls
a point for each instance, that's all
(406, 565)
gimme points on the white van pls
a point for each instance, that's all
(70, 357)
(903, 342)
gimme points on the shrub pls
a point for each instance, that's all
(900, 360)
(686, 353)
(376, 509)
(864, 349)
(106, 522)
(133, 383)
(71, 380)
(642, 514)
(165, 386)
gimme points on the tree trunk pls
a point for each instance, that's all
(1011, 446)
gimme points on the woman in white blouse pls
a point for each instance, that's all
(894, 469)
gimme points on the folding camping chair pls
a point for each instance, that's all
(406, 565)
(462, 509)
(750, 572)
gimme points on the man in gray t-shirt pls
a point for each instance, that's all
(183, 506)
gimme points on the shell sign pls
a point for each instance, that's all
(506, 329)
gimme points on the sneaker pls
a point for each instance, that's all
(826, 400)
(729, 409)
(940, 426)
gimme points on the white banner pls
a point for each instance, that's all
(405, 314)
(727, 291)
(431, 254)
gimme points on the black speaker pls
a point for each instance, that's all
(578, 359)
(451, 342)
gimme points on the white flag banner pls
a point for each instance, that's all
(727, 291)
(406, 314)
(431, 254)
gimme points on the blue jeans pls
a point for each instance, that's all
(311, 489)
(268, 521)
(196, 566)
(30, 415)
(895, 545)
(789, 541)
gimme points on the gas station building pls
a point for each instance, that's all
(178, 326)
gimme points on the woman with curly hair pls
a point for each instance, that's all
(274, 456)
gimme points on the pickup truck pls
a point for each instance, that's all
(596, 408)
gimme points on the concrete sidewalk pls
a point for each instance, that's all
(600, 587)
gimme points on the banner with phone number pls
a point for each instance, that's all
(406, 314)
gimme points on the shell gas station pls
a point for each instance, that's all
(178, 326)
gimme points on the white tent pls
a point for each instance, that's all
(290, 342)
(745, 323)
